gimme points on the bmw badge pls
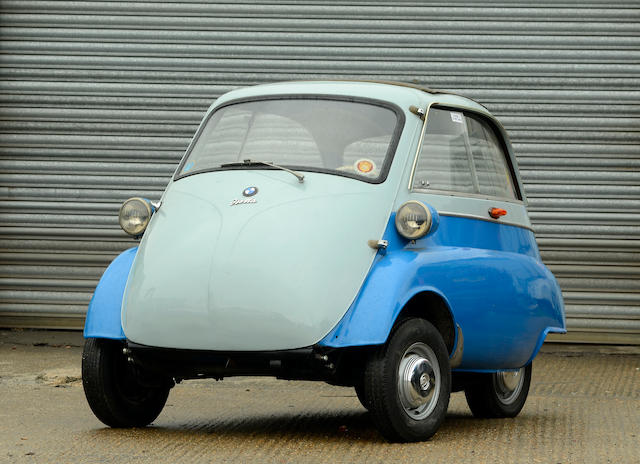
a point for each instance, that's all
(250, 191)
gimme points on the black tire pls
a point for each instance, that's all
(361, 394)
(410, 410)
(495, 395)
(113, 388)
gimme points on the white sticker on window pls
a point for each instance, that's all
(456, 117)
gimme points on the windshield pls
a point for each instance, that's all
(338, 137)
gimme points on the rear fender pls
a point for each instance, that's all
(503, 302)
(103, 315)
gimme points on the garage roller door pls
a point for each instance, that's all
(98, 101)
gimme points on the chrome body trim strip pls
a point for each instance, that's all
(487, 219)
(469, 195)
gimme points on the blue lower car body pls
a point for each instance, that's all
(103, 315)
(499, 293)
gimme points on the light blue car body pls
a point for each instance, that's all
(296, 268)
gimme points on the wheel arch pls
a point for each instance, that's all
(432, 307)
(376, 315)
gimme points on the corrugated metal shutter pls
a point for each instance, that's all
(99, 99)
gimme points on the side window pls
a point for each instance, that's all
(489, 159)
(460, 152)
(443, 163)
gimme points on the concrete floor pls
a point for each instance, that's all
(583, 407)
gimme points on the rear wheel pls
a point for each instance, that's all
(114, 389)
(501, 394)
(408, 382)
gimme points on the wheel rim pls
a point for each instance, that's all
(508, 385)
(418, 381)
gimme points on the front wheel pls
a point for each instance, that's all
(501, 394)
(115, 390)
(407, 383)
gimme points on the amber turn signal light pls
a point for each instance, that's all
(496, 213)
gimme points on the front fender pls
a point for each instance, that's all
(392, 282)
(103, 315)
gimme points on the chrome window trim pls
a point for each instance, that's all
(478, 196)
(415, 158)
(512, 169)
(480, 218)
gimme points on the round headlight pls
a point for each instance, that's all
(135, 214)
(413, 220)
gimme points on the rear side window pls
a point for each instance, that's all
(443, 163)
(461, 152)
(489, 159)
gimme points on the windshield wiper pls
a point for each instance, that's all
(249, 162)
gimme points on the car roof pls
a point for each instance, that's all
(411, 86)
(375, 89)
(403, 95)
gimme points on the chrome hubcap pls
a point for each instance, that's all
(418, 381)
(508, 385)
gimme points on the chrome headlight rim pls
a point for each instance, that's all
(423, 230)
(135, 231)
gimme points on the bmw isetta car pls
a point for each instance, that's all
(365, 234)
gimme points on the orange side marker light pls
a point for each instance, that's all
(497, 213)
